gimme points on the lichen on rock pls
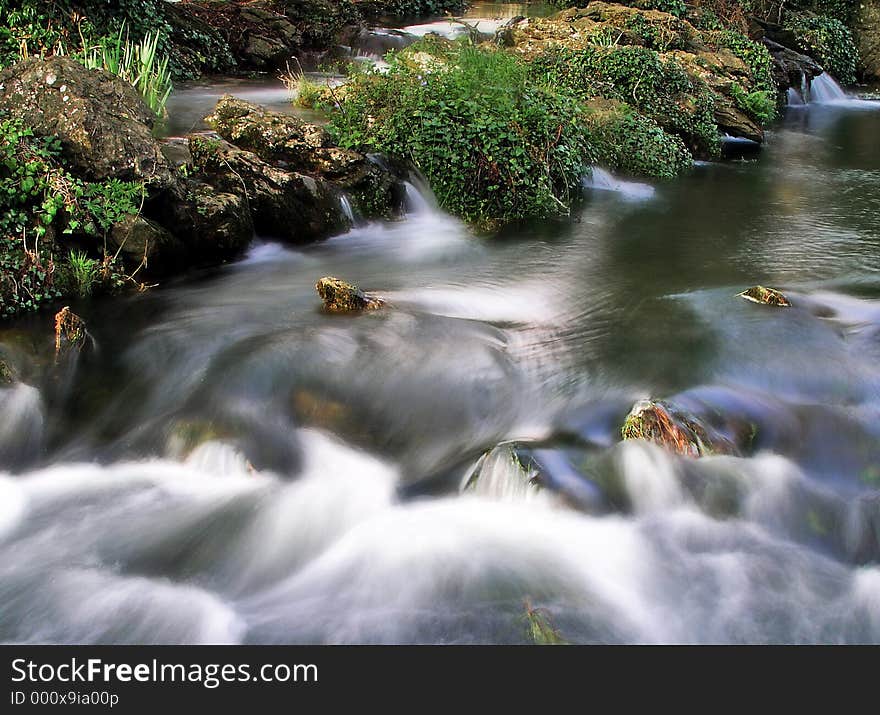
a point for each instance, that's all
(342, 297)
(766, 296)
(662, 423)
(70, 332)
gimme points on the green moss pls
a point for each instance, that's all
(660, 89)
(829, 41)
(759, 105)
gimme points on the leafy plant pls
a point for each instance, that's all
(755, 55)
(138, 63)
(659, 88)
(84, 272)
(40, 201)
(829, 41)
(495, 144)
(759, 105)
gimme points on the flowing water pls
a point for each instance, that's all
(232, 465)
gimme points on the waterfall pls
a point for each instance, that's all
(794, 98)
(824, 90)
(347, 209)
(602, 180)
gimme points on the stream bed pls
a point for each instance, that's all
(233, 465)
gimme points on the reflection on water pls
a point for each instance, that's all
(283, 475)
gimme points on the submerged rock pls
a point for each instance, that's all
(70, 332)
(664, 424)
(342, 297)
(539, 627)
(765, 296)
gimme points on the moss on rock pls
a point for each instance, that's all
(342, 297)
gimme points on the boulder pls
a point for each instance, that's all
(791, 68)
(289, 143)
(342, 297)
(102, 122)
(139, 240)
(682, 433)
(284, 204)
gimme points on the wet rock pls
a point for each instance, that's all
(138, 240)
(523, 470)
(288, 143)
(284, 204)
(102, 122)
(342, 297)
(222, 220)
(8, 374)
(765, 296)
(677, 431)
(791, 68)
(71, 335)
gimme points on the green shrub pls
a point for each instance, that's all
(624, 140)
(673, 7)
(760, 104)
(829, 41)
(755, 55)
(658, 88)
(40, 201)
(372, 9)
(494, 144)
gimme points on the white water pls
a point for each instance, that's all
(603, 180)
(824, 90)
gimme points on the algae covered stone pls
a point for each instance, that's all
(342, 297)
(70, 332)
(663, 424)
(766, 296)
(7, 373)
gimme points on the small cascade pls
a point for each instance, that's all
(417, 201)
(602, 180)
(824, 90)
(347, 209)
(795, 98)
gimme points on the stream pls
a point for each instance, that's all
(233, 465)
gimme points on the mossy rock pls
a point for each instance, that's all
(664, 424)
(342, 297)
(8, 374)
(766, 296)
(71, 335)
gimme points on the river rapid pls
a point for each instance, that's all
(233, 465)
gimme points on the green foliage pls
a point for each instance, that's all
(759, 104)
(673, 7)
(410, 8)
(539, 627)
(84, 273)
(658, 88)
(625, 141)
(829, 41)
(755, 55)
(843, 10)
(494, 144)
(41, 201)
(138, 63)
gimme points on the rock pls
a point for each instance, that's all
(70, 332)
(664, 424)
(8, 375)
(102, 122)
(222, 220)
(765, 296)
(342, 297)
(139, 240)
(790, 68)
(270, 135)
(283, 204)
(286, 142)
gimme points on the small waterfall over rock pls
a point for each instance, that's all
(602, 180)
(824, 90)
(794, 98)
